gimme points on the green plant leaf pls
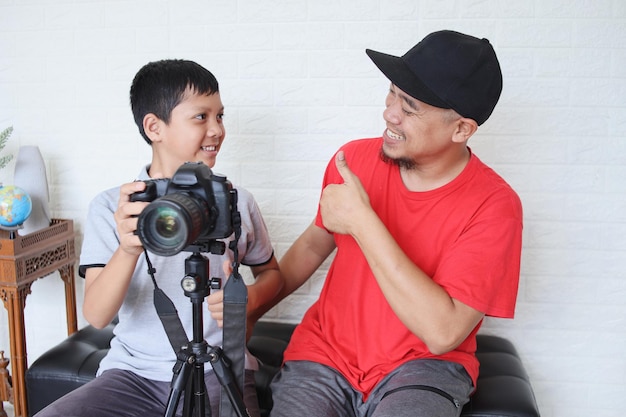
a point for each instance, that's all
(4, 160)
(4, 137)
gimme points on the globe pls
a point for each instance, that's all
(15, 206)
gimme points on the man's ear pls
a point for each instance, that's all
(465, 128)
(152, 125)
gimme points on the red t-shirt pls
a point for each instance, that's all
(466, 235)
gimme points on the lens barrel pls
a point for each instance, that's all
(172, 222)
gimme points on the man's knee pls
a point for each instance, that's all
(307, 388)
(423, 388)
(415, 401)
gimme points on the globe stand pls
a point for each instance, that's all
(12, 230)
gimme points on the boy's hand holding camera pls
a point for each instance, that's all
(126, 218)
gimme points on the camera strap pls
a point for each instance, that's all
(167, 313)
(234, 331)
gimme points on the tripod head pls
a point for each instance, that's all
(196, 283)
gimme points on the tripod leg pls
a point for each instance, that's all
(180, 380)
(221, 366)
(200, 395)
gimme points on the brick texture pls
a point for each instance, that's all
(296, 84)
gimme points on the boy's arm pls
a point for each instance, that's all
(268, 283)
(105, 288)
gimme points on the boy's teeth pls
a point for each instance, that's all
(208, 148)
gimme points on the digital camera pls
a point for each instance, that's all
(187, 212)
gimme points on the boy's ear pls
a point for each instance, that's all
(152, 125)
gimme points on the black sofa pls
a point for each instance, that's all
(503, 386)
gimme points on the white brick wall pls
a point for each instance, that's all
(296, 84)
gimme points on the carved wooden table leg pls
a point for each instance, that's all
(5, 384)
(14, 301)
(67, 275)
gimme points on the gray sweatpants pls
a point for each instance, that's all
(118, 393)
(419, 388)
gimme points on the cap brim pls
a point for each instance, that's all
(396, 70)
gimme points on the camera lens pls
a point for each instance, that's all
(167, 224)
(171, 223)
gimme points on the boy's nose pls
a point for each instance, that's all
(215, 130)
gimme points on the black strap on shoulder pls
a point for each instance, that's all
(235, 300)
(234, 331)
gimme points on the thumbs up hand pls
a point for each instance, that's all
(344, 206)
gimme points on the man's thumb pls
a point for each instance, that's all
(342, 166)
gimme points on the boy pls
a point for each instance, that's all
(177, 108)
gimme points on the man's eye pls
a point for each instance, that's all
(408, 113)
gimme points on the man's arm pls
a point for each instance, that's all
(275, 281)
(427, 310)
(303, 258)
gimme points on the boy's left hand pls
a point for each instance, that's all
(215, 300)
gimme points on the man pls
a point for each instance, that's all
(428, 242)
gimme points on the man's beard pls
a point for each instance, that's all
(403, 163)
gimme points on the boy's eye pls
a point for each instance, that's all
(201, 116)
(220, 116)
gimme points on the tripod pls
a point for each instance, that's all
(188, 372)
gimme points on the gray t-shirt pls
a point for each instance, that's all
(140, 343)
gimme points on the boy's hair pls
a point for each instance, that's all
(160, 86)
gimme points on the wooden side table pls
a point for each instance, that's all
(23, 260)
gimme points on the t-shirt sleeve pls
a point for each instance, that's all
(482, 267)
(100, 237)
(258, 248)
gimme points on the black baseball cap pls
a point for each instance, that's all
(449, 70)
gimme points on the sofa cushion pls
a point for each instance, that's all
(503, 386)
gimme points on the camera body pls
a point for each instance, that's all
(186, 212)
